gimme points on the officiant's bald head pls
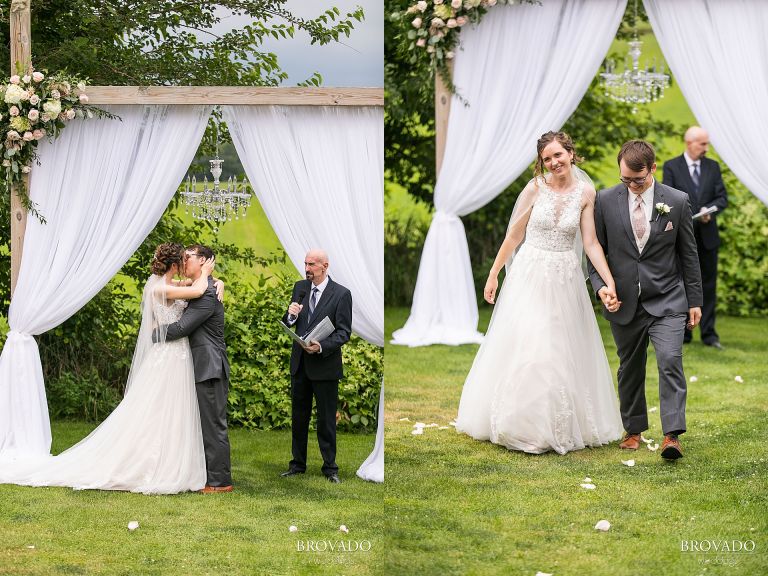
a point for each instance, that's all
(696, 142)
(316, 266)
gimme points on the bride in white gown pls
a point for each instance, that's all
(541, 379)
(152, 442)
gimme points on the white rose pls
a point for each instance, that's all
(52, 108)
(34, 99)
(14, 111)
(456, 4)
(38, 76)
(70, 114)
(81, 86)
(25, 169)
(449, 55)
(55, 94)
(417, 22)
(84, 99)
(34, 115)
(26, 78)
(421, 5)
(15, 94)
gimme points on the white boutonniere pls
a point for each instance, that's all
(662, 208)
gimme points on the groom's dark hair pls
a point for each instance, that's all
(201, 250)
(637, 155)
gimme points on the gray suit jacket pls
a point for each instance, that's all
(203, 322)
(668, 269)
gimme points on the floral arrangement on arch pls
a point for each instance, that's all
(432, 28)
(36, 106)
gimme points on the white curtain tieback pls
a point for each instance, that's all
(441, 216)
(16, 335)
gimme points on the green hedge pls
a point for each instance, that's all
(86, 359)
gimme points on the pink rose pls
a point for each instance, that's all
(28, 137)
(422, 5)
(438, 22)
(491, 2)
(14, 111)
(456, 4)
(38, 134)
(55, 94)
(15, 79)
(417, 22)
(421, 42)
(38, 76)
(451, 23)
(34, 115)
(70, 114)
(461, 20)
(34, 99)
(83, 99)
(12, 135)
(438, 2)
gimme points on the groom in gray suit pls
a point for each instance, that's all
(646, 231)
(203, 323)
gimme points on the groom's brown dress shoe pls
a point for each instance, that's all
(215, 489)
(670, 448)
(630, 442)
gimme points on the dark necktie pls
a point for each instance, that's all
(695, 178)
(313, 302)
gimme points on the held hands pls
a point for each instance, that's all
(694, 317)
(491, 285)
(610, 299)
(706, 218)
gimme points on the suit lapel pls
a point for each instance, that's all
(622, 207)
(657, 219)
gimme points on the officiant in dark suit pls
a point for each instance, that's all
(317, 368)
(700, 177)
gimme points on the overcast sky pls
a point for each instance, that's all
(357, 61)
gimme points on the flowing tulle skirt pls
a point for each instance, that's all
(541, 379)
(151, 443)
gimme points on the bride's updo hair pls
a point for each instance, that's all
(546, 139)
(166, 255)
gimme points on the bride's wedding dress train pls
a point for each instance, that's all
(151, 443)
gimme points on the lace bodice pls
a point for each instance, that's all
(170, 313)
(554, 219)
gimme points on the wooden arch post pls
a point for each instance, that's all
(21, 52)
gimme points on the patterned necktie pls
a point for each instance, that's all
(695, 177)
(313, 302)
(638, 218)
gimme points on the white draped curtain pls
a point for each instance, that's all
(102, 186)
(717, 52)
(319, 175)
(523, 71)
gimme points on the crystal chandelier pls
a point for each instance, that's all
(217, 203)
(634, 86)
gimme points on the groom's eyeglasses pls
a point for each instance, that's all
(635, 181)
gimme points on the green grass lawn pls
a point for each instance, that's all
(459, 506)
(245, 532)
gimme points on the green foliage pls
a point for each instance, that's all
(81, 396)
(260, 352)
(406, 221)
(743, 257)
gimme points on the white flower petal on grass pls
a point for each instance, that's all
(31, 547)
(588, 486)
(344, 529)
(292, 529)
(542, 574)
(443, 427)
(587, 479)
(603, 526)
(646, 440)
(405, 419)
(739, 379)
(652, 409)
(452, 423)
(132, 525)
(417, 431)
(629, 463)
(652, 447)
(433, 425)
(694, 379)
(419, 425)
